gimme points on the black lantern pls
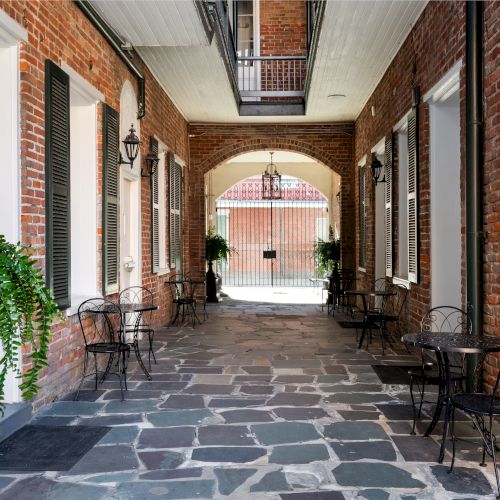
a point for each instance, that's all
(376, 167)
(151, 162)
(132, 144)
(271, 182)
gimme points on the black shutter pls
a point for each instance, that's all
(57, 181)
(362, 217)
(412, 196)
(110, 199)
(155, 212)
(388, 204)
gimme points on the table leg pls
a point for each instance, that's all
(448, 406)
(365, 318)
(440, 399)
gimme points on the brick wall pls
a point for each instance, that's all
(212, 144)
(283, 28)
(435, 44)
(58, 30)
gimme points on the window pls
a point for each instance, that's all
(362, 217)
(175, 211)
(244, 35)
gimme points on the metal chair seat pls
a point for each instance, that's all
(477, 403)
(107, 347)
(433, 377)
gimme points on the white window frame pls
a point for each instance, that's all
(362, 164)
(162, 208)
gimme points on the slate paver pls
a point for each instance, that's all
(209, 389)
(246, 416)
(169, 490)
(313, 495)
(175, 437)
(230, 454)
(298, 454)
(272, 481)
(284, 432)
(377, 475)
(464, 480)
(359, 415)
(163, 474)
(358, 450)
(235, 402)
(161, 459)
(72, 408)
(106, 459)
(132, 406)
(230, 435)
(372, 494)
(183, 402)
(291, 399)
(123, 434)
(416, 449)
(358, 397)
(175, 418)
(354, 431)
(231, 479)
(300, 413)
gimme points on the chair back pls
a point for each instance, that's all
(100, 321)
(175, 288)
(396, 302)
(137, 295)
(446, 319)
(197, 283)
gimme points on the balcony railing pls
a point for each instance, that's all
(278, 78)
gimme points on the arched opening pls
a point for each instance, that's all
(274, 240)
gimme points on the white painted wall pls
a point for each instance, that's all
(10, 34)
(130, 195)
(446, 246)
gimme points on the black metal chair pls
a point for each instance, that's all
(182, 294)
(438, 319)
(101, 324)
(139, 323)
(481, 409)
(394, 308)
(199, 283)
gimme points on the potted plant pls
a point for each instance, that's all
(327, 255)
(216, 248)
(27, 308)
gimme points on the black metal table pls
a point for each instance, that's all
(443, 344)
(364, 294)
(185, 298)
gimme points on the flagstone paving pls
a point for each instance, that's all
(261, 401)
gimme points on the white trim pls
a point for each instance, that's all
(446, 86)
(362, 162)
(362, 269)
(402, 125)
(401, 281)
(178, 160)
(82, 86)
(11, 32)
(379, 148)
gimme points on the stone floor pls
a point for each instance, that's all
(262, 401)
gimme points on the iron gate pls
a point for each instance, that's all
(274, 240)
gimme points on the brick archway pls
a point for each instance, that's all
(212, 144)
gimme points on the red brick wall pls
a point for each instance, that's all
(212, 144)
(283, 28)
(435, 44)
(58, 30)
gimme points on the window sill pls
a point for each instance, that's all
(162, 272)
(362, 269)
(401, 281)
(76, 300)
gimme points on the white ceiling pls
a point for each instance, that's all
(358, 40)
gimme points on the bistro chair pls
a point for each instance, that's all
(481, 409)
(394, 308)
(438, 319)
(139, 323)
(199, 282)
(182, 294)
(101, 323)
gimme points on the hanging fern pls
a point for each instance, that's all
(27, 308)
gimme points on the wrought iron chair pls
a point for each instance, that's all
(340, 282)
(181, 292)
(101, 324)
(394, 308)
(198, 279)
(481, 409)
(438, 319)
(139, 323)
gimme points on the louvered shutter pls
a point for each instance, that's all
(388, 205)
(362, 218)
(412, 196)
(155, 212)
(57, 180)
(110, 199)
(175, 206)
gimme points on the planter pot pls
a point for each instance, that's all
(212, 292)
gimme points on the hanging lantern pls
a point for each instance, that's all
(271, 182)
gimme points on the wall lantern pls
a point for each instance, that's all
(151, 162)
(338, 196)
(376, 167)
(132, 144)
(271, 182)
